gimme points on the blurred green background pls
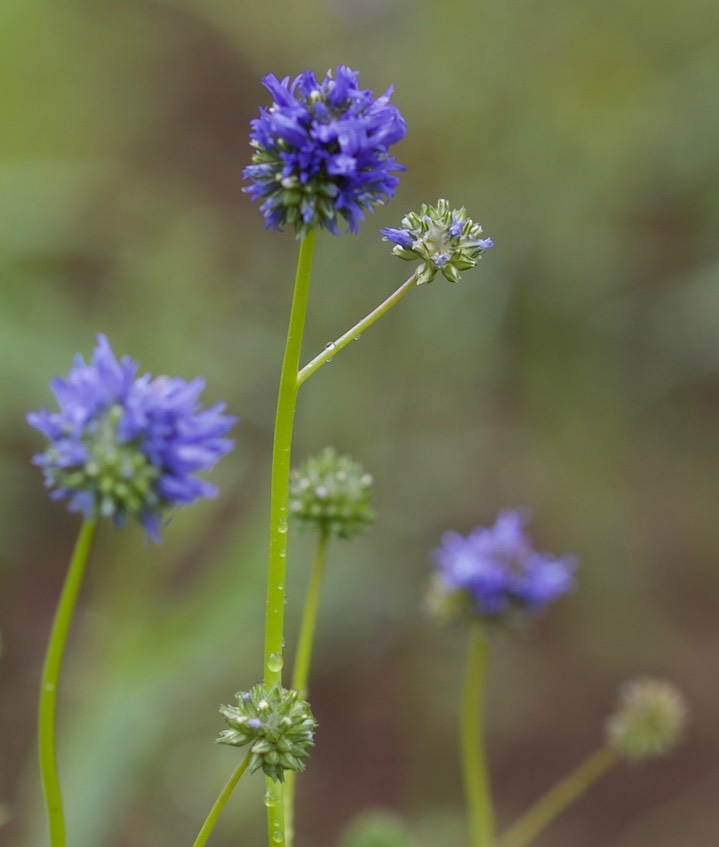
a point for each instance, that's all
(576, 372)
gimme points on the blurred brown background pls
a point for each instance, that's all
(576, 371)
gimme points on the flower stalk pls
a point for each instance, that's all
(301, 671)
(472, 746)
(221, 801)
(305, 643)
(546, 809)
(50, 680)
(354, 332)
(281, 458)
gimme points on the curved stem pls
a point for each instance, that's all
(281, 450)
(303, 657)
(50, 679)
(472, 747)
(220, 803)
(536, 818)
(335, 346)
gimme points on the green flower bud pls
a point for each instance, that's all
(649, 720)
(331, 494)
(278, 726)
(443, 239)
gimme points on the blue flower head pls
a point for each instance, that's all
(322, 151)
(441, 239)
(125, 446)
(495, 575)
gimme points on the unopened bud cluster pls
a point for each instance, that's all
(649, 721)
(278, 726)
(331, 494)
(443, 239)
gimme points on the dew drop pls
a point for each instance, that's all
(277, 836)
(282, 525)
(357, 337)
(268, 799)
(330, 345)
(275, 662)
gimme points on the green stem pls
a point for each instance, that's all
(281, 449)
(536, 818)
(220, 803)
(302, 664)
(335, 346)
(279, 494)
(309, 619)
(50, 679)
(472, 747)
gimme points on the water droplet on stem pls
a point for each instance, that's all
(275, 662)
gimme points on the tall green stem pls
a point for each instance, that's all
(281, 459)
(545, 810)
(301, 670)
(354, 332)
(50, 679)
(215, 811)
(472, 746)
(281, 450)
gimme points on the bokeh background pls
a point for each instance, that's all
(576, 372)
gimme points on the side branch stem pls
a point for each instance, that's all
(555, 801)
(221, 801)
(50, 679)
(335, 346)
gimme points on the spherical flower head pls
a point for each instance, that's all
(322, 151)
(278, 726)
(125, 446)
(494, 575)
(441, 238)
(649, 721)
(331, 494)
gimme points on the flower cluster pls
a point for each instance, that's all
(122, 446)
(322, 151)
(331, 494)
(494, 574)
(276, 723)
(443, 239)
(649, 720)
